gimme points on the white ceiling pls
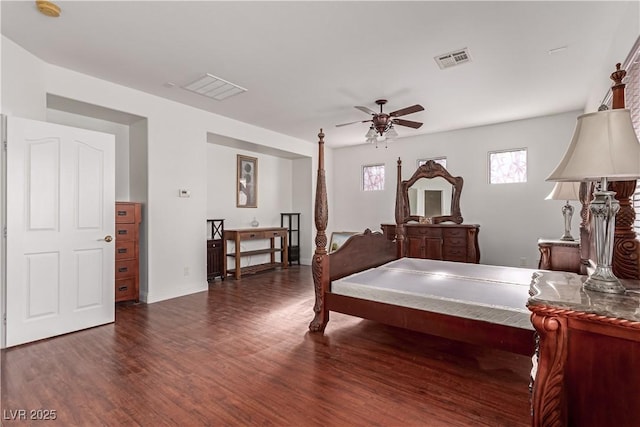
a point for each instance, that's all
(306, 64)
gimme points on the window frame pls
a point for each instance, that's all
(362, 179)
(508, 150)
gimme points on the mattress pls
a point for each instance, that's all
(481, 292)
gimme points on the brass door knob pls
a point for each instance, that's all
(108, 238)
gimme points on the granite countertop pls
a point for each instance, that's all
(564, 290)
(559, 242)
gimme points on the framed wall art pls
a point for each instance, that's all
(247, 182)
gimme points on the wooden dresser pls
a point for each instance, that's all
(587, 373)
(128, 218)
(446, 242)
(253, 234)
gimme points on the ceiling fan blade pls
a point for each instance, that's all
(350, 123)
(407, 123)
(365, 109)
(407, 110)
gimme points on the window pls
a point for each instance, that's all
(373, 177)
(439, 160)
(508, 166)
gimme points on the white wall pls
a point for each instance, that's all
(28, 98)
(274, 188)
(121, 133)
(303, 173)
(138, 188)
(511, 216)
(626, 35)
(176, 158)
(274, 193)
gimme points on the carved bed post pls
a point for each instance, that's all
(320, 264)
(626, 246)
(400, 214)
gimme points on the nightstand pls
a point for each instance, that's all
(559, 255)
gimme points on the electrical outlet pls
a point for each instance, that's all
(186, 271)
(523, 262)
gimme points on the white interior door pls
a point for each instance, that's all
(60, 219)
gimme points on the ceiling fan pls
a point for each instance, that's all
(383, 122)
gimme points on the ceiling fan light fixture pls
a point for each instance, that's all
(391, 133)
(382, 127)
(371, 133)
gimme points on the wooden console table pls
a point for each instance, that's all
(587, 373)
(248, 234)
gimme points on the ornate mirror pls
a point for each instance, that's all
(431, 195)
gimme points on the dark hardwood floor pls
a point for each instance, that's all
(241, 354)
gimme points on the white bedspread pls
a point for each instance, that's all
(482, 292)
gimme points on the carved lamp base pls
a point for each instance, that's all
(567, 213)
(604, 208)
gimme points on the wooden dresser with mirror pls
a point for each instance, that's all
(428, 209)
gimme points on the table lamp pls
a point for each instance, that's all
(566, 191)
(604, 148)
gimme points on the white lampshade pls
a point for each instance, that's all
(565, 191)
(604, 145)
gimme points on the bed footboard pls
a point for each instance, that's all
(361, 252)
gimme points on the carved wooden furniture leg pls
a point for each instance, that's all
(320, 262)
(545, 257)
(319, 268)
(548, 403)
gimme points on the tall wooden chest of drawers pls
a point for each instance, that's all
(128, 218)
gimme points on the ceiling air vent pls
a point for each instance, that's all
(214, 87)
(451, 59)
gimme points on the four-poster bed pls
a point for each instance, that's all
(370, 262)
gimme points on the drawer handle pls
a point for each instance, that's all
(122, 231)
(122, 288)
(122, 250)
(122, 213)
(252, 235)
(123, 269)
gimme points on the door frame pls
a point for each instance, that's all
(3, 231)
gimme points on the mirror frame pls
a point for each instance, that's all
(431, 170)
